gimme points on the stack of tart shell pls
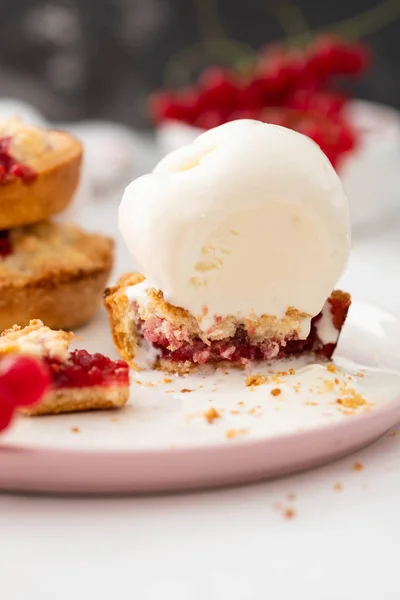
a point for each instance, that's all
(48, 270)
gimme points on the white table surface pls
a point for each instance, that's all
(233, 544)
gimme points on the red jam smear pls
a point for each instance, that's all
(5, 243)
(85, 370)
(10, 168)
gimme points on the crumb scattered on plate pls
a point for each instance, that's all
(211, 414)
(256, 379)
(352, 399)
(232, 433)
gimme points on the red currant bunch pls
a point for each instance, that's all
(287, 87)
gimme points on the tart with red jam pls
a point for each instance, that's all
(79, 381)
(39, 172)
(53, 272)
(181, 345)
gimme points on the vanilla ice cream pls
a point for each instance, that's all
(250, 219)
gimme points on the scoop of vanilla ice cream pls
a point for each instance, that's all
(250, 219)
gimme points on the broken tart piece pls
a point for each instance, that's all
(39, 172)
(141, 315)
(79, 381)
(53, 272)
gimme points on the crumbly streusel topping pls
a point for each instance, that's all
(37, 147)
(35, 340)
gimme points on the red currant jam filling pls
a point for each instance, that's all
(5, 243)
(176, 344)
(241, 349)
(84, 370)
(10, 168)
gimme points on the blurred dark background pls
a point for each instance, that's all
(79, 59)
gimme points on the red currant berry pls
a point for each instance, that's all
(209, 119)
(353, 59)
(250, 94)
(326, 103)
(23, 380)
(330, 56)
(217, 89)
(180, 106)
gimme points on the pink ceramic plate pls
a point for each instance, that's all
(163, 441)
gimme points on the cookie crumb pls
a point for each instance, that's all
(338, 487)
(352, 399)
(289, 513)
(211, 414)
(232, 433)
(186, 390)
(114, 420)
(75, 429)
(276, 391)
(167, 380)
(331, 368)
(144, 383)
(255, 380)
(358, 466)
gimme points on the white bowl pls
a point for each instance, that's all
(370, 174)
